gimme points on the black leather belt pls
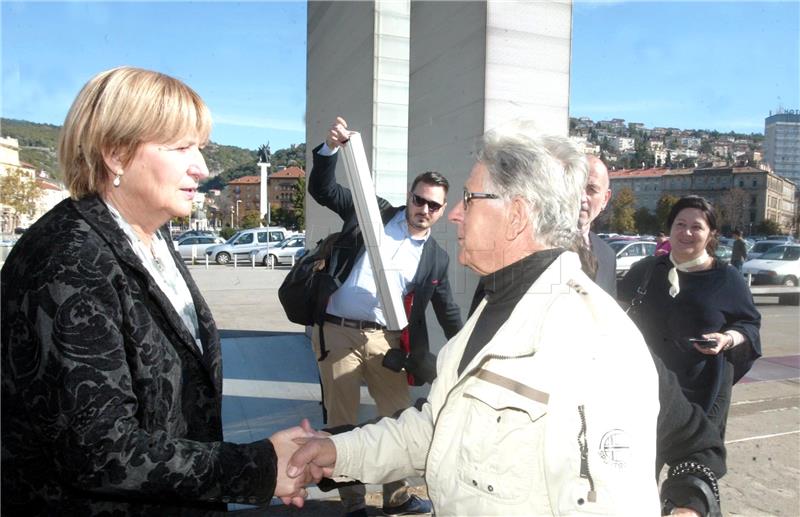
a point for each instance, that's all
(353, 324)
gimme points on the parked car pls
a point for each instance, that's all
(283, 252)
(194, 246)
(761, 247)
(245, 241)
(728, 241)
(724, 252)
(777, 266)
(784, 238)
(196, 233)
(630, 252)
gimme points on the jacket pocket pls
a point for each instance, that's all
(500, 452)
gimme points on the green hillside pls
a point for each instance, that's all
(225, 162)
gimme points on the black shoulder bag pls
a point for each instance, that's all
(635, 306)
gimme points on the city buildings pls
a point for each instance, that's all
(782, 144)
(744, 196)
(34, 193)
(243, 194)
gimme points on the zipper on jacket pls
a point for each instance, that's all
(584, 448)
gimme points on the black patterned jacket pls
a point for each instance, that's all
(104, 391)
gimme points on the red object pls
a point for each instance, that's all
(405, 344)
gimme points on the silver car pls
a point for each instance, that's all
(194, 246)
(280, 253)
(630, 252)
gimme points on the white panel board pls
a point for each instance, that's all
(369, 219)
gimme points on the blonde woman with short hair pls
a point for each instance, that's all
(111, 363)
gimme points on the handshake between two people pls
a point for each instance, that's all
(305, 456)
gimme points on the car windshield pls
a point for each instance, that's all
(782, 253)
(232, 238)
(761, 247)
(618, 245)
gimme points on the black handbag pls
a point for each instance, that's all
(635, 305)
(305, 290)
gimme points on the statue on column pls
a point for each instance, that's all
(264, 153)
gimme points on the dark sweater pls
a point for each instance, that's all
(713, 300)
(503, 290)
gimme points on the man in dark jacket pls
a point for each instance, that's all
(594, 201)
(353, 340)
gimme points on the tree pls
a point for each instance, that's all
(622, 220)
(733, 209)
(664, 205)
(768, 227)
(299, 203)
(668, 161)
(642, 154)
(19, 191)
(646, 222)
(252, 219)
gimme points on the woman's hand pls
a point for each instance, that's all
(724, 341)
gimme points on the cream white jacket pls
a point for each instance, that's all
(555, 416)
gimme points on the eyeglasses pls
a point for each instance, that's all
(469, 196)
(433, 206)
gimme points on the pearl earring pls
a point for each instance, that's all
(117, 176)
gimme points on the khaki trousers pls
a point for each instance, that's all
(355, 356)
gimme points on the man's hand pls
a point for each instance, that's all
(316, 459)
(338, 134)
(291, 490)
(684, 512)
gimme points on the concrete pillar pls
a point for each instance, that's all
(357, 67)
(421, 96)
(475, 66)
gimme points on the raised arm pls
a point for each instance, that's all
(322, 183)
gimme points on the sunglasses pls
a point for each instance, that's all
(469, 196)
(433, 206)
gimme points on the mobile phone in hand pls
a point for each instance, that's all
(703, 342)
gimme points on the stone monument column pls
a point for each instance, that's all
(474, 66)
(423, 80)
(357, 67)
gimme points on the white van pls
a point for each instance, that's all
(245, 241)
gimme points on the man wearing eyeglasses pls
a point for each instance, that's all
(546, 402)
(353, 344)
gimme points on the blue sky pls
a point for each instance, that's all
(700, 65)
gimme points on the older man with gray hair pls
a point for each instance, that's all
(546, 401)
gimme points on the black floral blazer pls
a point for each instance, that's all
(105, 394)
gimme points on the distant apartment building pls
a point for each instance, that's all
(584, 146)
(745, 195)
(782, 144)
(622, 144)
(50, 192)
(615, 124)
(691, 142)
(281, 185)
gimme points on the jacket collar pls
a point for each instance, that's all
(97, 215)
(526, 318)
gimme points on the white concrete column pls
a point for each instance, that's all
(475, 66)
(357, 67)
(263, 199)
